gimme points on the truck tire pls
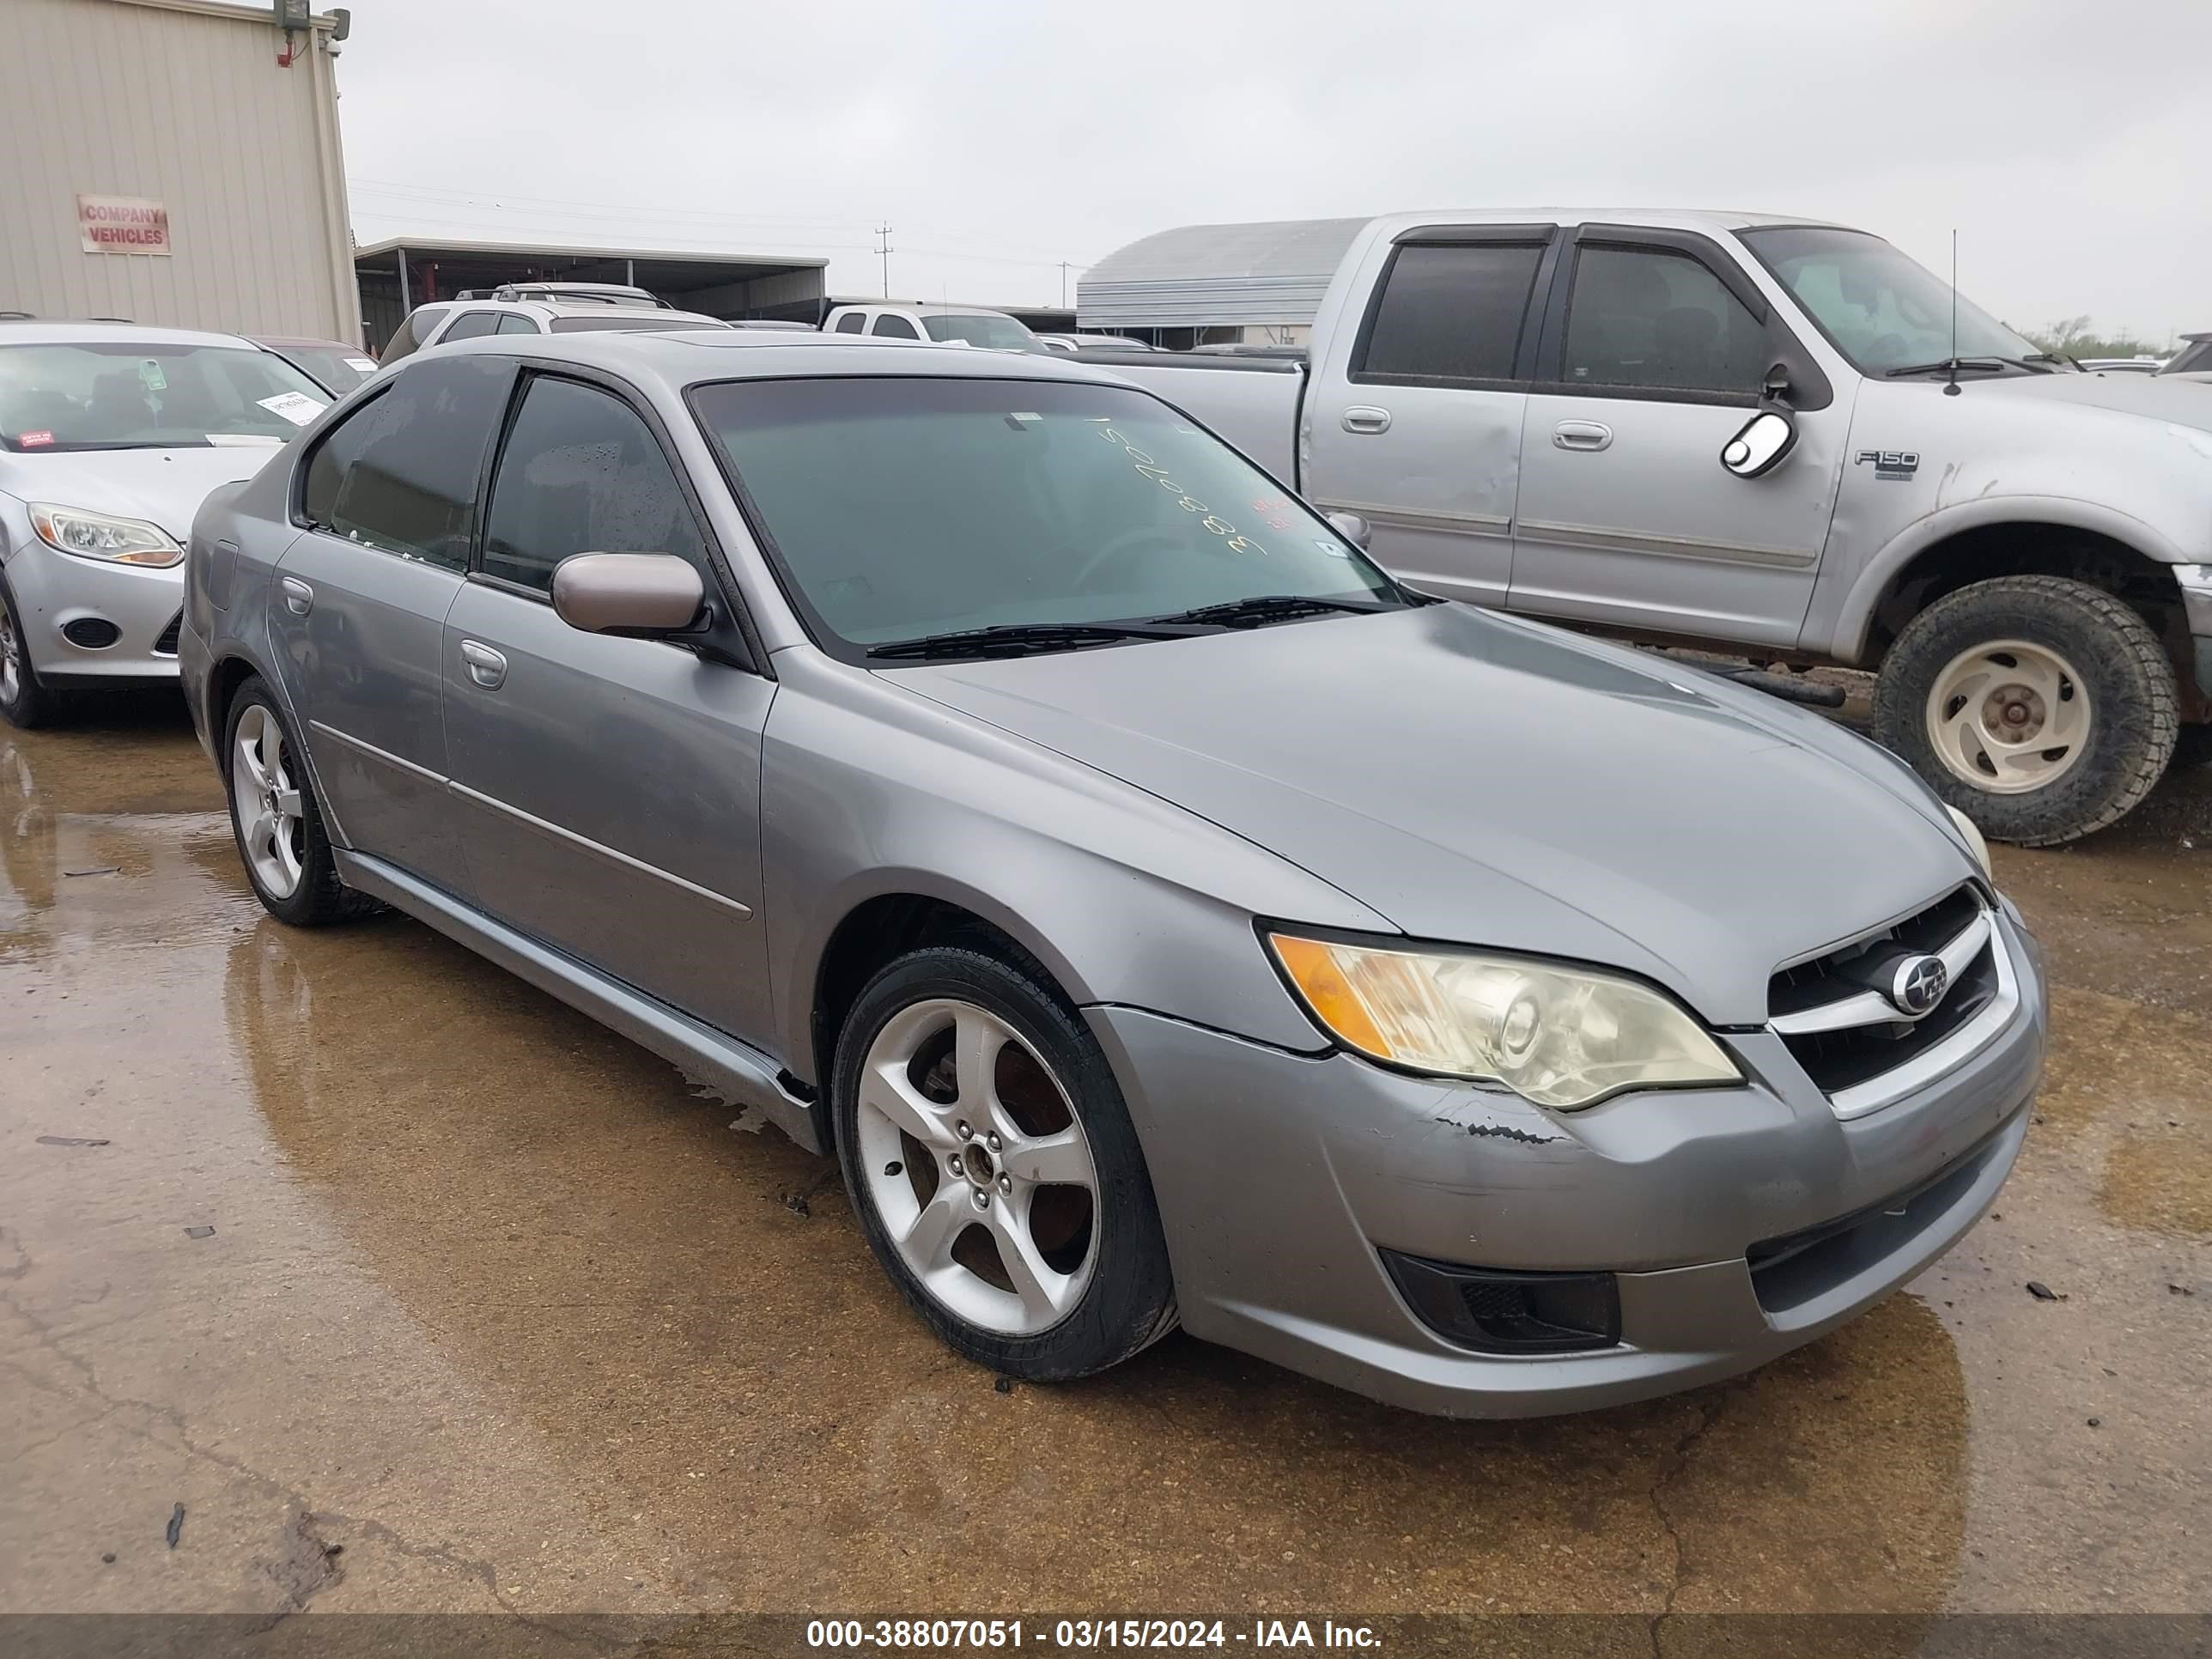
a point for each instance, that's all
(2040, 707)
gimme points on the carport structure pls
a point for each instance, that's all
(398, 275)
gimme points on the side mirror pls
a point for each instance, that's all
(638, 594)
(1766, 437)
(1353, 528)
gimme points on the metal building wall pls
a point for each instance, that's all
(180, 101)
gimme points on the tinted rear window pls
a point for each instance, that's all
(1451, 313)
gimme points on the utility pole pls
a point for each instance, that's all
(1063, 269)
(884, 247)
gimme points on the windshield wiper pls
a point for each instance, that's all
(2057, 361)
(1020, 638)
(1951, 362)
(1263, 608)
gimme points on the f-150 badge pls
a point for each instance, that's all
(1890, 462)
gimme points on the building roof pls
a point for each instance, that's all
(465, 263)
(1203, 275)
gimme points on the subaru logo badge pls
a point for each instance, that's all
(1917, 984)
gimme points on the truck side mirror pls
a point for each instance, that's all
(1353, 528)
(1766, 437)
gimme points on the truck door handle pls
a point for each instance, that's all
(299, 597)
(1581, 434)
(1366, 417)
(486, 667)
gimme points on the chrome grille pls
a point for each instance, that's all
(1854, 1041)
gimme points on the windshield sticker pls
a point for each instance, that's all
(150, 376)
(362, 365)
(1147, 467)
(34, 440)
(295, 406)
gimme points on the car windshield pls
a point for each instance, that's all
(1881, 310)
(979, 328)
(901, 507)
(339, 367)
(2192, 359)
(120, 394)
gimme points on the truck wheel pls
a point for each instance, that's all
(2040, 707)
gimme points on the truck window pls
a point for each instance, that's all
(852, 322)
(1639, 317)
(894, 325)
(1449, 313)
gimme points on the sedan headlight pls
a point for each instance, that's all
(1975, 843)
(102, 536)
(1561, 1036)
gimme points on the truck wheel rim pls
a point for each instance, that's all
(11, 658)
(978, 1167)
(2008, 717)
(270, 826)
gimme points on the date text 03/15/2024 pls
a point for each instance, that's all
(855, 1635)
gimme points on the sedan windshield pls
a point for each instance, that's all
(981, 328)
(1880, 309)
(903, 509)
(339, 367)
(114, 394)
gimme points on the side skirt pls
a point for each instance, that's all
(737, 1069)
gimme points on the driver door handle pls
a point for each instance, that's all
(1366, 417)
(1583, 435)
(299, 597)
(487, 667)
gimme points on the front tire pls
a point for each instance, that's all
(2040, 707)
(276, 819)
(25, 701)
(995, 1171)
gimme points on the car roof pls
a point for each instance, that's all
(924, 309)
(1705, 219)
(68, 333)
(682, 358)
(574, 308)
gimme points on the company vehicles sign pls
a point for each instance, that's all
(123, 224)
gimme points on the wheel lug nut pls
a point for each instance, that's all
(961, 1129)
(991, 1141)
(982, 1200)
(959, 1168)
(1005, 1183)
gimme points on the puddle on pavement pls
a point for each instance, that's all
(554, 1234)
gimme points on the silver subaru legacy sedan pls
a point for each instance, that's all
(988, 775)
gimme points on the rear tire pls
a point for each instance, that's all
(994, 1169)
(276, 819)
(25, 701)
(2040, 707)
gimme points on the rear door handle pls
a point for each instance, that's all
(1581, 434)
(1366, 417)
(299, 597)
(486, 667)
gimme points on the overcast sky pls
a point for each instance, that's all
(2067, 143)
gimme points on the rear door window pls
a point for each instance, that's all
(852, 322)
(470, 324)
(399, 474)
(581, 472)
(519, 323)
(890, 323)
(1449, 313)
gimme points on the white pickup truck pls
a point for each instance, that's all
(1778, 437)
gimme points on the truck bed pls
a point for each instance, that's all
(1253, 402)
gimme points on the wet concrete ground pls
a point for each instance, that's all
(496, 1314)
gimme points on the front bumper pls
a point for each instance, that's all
(1280, 1177)
(53, 591)
(2195, 582)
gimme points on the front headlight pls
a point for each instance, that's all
(102, 536)
(1560, 1036)
(1975, 843)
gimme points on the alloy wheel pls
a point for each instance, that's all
(978, 1167)
(11, 658)
(270, 823)
(2008, 717)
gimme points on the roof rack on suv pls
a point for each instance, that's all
(607, 293)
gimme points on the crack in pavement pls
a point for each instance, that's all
(1670, 1470)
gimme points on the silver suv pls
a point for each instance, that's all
(569, 308)
(994, 780)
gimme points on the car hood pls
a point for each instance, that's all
(165, 486)
(1482, 781)
(2177, 399)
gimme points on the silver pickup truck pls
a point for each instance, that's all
(1781, 438)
